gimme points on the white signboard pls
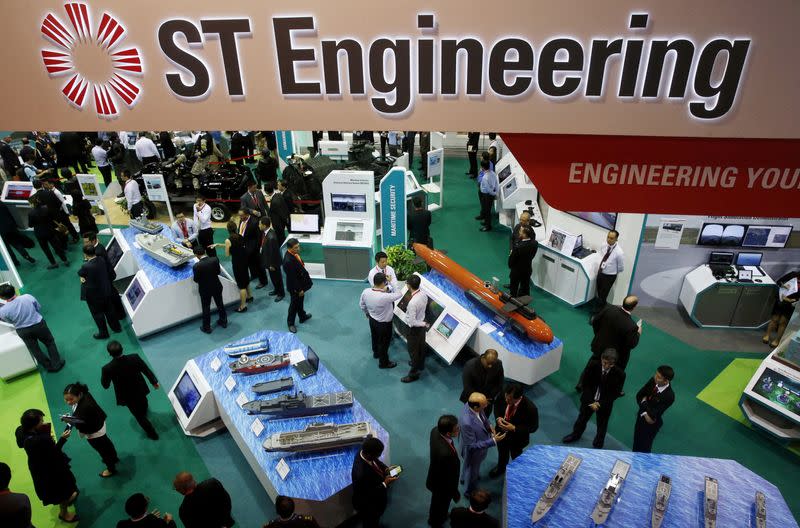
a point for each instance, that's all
(90, 188)
(156, 190)
(669, 233)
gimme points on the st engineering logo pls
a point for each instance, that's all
(92, 59)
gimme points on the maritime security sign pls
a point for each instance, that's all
(393, 208)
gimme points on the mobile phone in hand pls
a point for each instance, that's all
(395, 470)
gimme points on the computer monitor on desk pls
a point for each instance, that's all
(749, 259)
(720, 258)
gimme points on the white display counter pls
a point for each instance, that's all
(15, 359)
(571, 279)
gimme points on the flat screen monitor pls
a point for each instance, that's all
(447, 326)
(605, 220)
(349, 231)
(114, 251)
(508, 188)
(721, 258)
(505, 173)
(779, 390)
(748, 259)
(304, 223)
(356, 203)
(187, 394)
(403, 303)
(312, 358)
(766, 236)
(729, 235)
(18, 190)
(579, 242)
(557, 239)
(433, 311)
(134, 293)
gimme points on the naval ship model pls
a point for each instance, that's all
(663, 491)
(267, 387)
(164, 250)
(249, 348)
(761, 510)
(248, 365)
(710, 503)
(143, 224)
(300, 404)
(319, 437)
(609, 494)
(560, 480)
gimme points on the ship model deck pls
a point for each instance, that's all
(560, 480)
(300, 404)
(249, 365)
(164, 250)
(247, 349)
(145, 225)
(267, 387)
(761, 510)
(663, 491)
(319, 437)
(710, 502)
(610, 492)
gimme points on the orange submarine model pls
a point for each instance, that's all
(523, 319)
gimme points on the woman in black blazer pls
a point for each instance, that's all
(49, 466)
(90, 421)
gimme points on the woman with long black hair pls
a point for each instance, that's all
(90, 421)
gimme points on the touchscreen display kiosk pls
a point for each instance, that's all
(508, 188)
(114, 252)
(135, 293)
(349, 202)
(779, 390)
(432, 311)
(186, 394)
(19, 191)
(505, 173)
(304, 223)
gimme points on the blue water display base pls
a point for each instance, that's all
(312, 476)
(528, 476)
(158, 273)
(510, 340)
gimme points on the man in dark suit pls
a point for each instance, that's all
(278, 212)
(483, 374)
(473, 138)
(287, 518)
(127, 373)
(519, 263)
(206, 274)
(298, 282)
(270, 254)
(204, 505)
(443, 470)
(10, 159)
(419, 224)
(15, 508)
(248, 228)
(519, 417)
(139, 517)
(288, 195)
(254, 201)
(654, 398)
(98, 291)
(100, 251)
(475, 516)
(371, 482)
(602, 384)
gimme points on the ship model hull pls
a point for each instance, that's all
(556, 487)
(663, 491)
(761, 510)
(248, 365)
(710, 502)
(319, 437)
(291, 406)
(164, 250)
(535, 328)
(610, 492)
(268, 387)
(246, 349)
(146, 226)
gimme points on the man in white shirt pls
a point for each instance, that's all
(132, 194)
(415, 319)
(101, 160)
(382, 266)
(185, 230)
(378, 304)
(202, 221)
(146, 150)
(611, 265)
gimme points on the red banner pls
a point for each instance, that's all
(727, 177)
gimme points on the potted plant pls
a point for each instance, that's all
(402, 260)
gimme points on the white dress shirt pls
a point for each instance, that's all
(132, 194)
(615, 262)
(190, 228)
(100, 156)
(379, 304)
(145, 148)
(202, 218)
(659, 390)
(415, 312)
(391, 276)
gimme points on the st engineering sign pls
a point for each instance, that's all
(621, 68)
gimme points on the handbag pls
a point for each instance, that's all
(61, 229)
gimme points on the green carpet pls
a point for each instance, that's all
(724, 391)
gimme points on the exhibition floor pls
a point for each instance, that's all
(340, 335)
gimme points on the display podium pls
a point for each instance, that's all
(15, 359)
(571, 279)
(514, 187)
(15, 195)
(727, 303)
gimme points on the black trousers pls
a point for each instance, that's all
(381, 334)
(370, 518)
(150, 159)
(106, 450)
(15, 239)
(32, 335)
(205, 303)
(520, 284)
(106, 172)
(440, 508)
(411, 139)
(506, 450)
(603, 416)
(416, 347)
(57, 244)
(103, 312)
(486, 209)
(63, 217)
(604, 285)
(473, 162)
(277, 281)
(138, 409)
(137, 210)
(643, 435)
(205, 237)
(256, 269)
(295, 307)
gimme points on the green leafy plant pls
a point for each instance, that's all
(402, 260)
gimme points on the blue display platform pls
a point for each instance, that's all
(510, 340)
(159, 274)
(313, 476)
(528, 476)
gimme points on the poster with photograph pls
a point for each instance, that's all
(669, 234)
(156, 190)
(90, 188)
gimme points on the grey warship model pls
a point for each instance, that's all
(761, 510)
(663, 491)
(145, 225)
(609, 494)
(164, 250)
(267, 387)
(249, 348)
(710, 503)
(249, 365)
(560, 480)
(319, 437)
(300, 404)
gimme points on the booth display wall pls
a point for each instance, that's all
(629, 226)
(659, 272)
